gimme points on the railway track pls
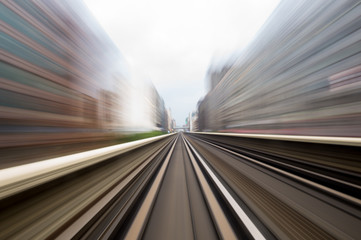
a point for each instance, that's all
(73, 197)
(292, 201)
(183, 186)
(186, 202)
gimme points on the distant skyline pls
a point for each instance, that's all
(172, 43)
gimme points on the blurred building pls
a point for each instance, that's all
(170, 121)
(215, 74)
(194, 122)
(62, 79)
(300, 75)
(160, 113)
(187, 121)
(174, 124)
(149, 110)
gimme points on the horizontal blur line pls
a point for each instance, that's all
(20, 178)
(43, 129)
(349, 141)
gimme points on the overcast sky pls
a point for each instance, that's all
(172, 43)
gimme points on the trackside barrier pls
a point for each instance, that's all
(20, 178)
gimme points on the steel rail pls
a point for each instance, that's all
(316, 185)
(222, 224)
(91, 213)
(251, 227)
(138, 225)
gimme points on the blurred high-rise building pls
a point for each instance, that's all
(300, 75)
(62, 79)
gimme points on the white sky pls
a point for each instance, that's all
(172, 43)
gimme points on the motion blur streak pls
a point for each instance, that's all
(301, 75)
(63, 81)
(65, 88)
